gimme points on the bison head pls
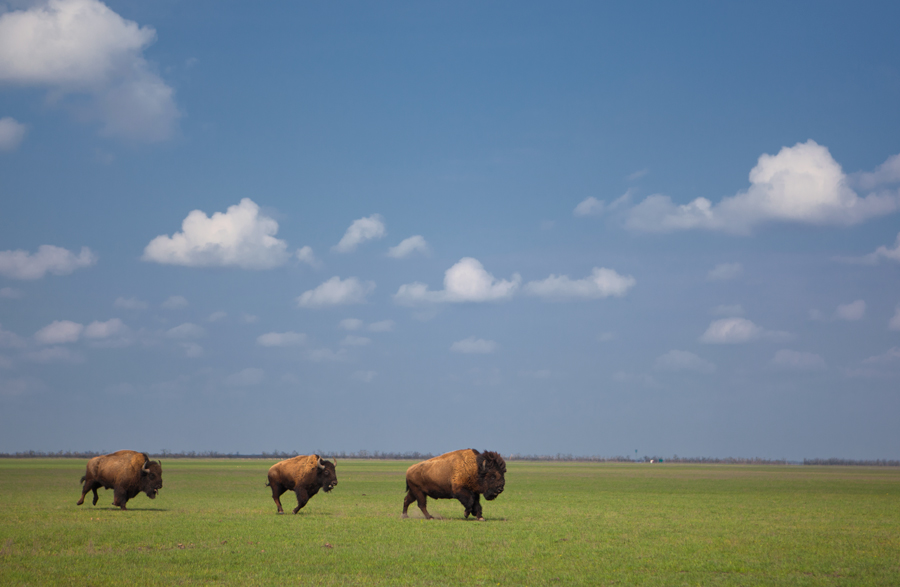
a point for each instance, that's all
(151, 478)
(327, 475)
(491, 474)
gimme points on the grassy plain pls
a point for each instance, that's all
(214, 523)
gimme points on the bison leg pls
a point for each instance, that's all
(406, 501)
(467, 500)
(302, 498)
(120, 498)
(89, 486)
(277, 490)
(476, 508)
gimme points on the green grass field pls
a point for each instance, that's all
(556, 524)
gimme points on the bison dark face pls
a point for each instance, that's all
(491, 474)
(151, 478)
(327, 475)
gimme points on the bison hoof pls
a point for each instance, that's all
(480, 519)
(404, 515)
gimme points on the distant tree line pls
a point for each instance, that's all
(416, 455)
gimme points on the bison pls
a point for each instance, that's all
(304, 475)
(127, 472)
(463, 474)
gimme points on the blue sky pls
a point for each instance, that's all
(587, 229)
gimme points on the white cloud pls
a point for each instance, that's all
(606, 336)
(351, 324)
(724, 272)
(381, 326)
(106, 329)
(305, 254)
(409, 246)
(11, 133)
(216, 316)
(882, 252)
(353, 340)
(798, 360)
(78, 48)
(852, 311)
(802, 184)
(11, 339)
(130, 304)
(589, 206)
(894, 322)
(240, 237)
(731, 331)
(55, 354)
(362, 230)
(335, 292)
(676, 360)
(10, 293)
(602, 283)
(249, 377)
(891, 356)
(249, 319)
(466, 281)
(59, 332)
(637, 174)
(886, 173)
(191, 349)
(186, 330)
(279, 339)
(474, 345)
(365, 376)
(175, 303)
(21, 264)
(728, 310)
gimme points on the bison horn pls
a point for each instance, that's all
(321, 464)
(146, 467)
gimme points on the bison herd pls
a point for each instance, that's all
(465, 475)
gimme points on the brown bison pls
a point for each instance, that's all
(304, 475)
(127, 472)
(462, 474)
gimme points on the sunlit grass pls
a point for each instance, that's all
(557, 523)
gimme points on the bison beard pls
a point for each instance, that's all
(463, 474)
(127, 472)
(304, 475)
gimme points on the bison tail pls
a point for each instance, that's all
(267, 482)
(83, 477)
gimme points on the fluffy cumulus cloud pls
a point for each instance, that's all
(21, 264)
(305, 255)
(362, 230)
(725, 272)
(801, 184)
(790, 359)
(59, 332)
(589, 206)
(110, 328)
(894, 322)
(381, 326)
(886, 173)
(676, 360)
(852, 311)
(175, 303)
(882, 252)
(466, 281)
(351, 324)
(474, 345)
(81, 48)
(738, 331)
(353, 340)
(280, 339)
(11, 133)
(11, 339)
(240, 237)
(249, 377)
(130, 304)
(336, 292)
(187, 330)
(602, 283)
(409, 246)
